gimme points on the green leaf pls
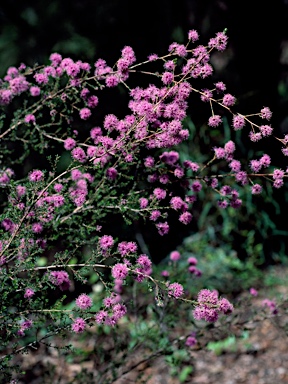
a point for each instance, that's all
(184, 375)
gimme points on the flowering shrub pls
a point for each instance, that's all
(51, 220)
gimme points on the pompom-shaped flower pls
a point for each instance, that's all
(28, 293)
(256, 189)
(265, 160)
(36, 175)
(163, 228)
(37, 227)
(228, 100)
(83, 301)
(60, 279)
(101, 316)
(111, 173)
(78, 325)
(69, 143)
(253, 291)
(193, 35)
(79, 154)
(185, 218)
(175, 256)
(214, 121)
(143, 202)
(35, 91)
(177, 203)
(266, 113)
(225, 306)
(85, 113)
(238, 122)
(206, 296)
(229, 147)
(106, 242)
(120, 271)
(266, 130)
(191, 341)
(175, 290)
(167, 78)
(159, 193)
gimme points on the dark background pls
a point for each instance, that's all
(254, 67)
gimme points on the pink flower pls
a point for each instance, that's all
(203, 312)
(41, 78)
(265, 160)
(192, 260)
(111, 173)
(235, 165)
(214, 121)
(220, 86)
(85, 113)
(155, 215)
(69, 143)
(175, 256)
(238, 122)
(266, 130)
(60, 279)
(35, 91)
(125, 247)
(28, 293)
(271, 305)
(29, 119)
(153, 57)
(253, 292)
(177, 203)
(256, 189)
(278, 174)
(55, 58)
(119, 310)
(229, 147)
(163, 228)
(191, 340)
(79, 154)
(145, 263)
(167, 78)
(159, 193)
(120, 271)
(228, 100)
(143, 202)
(185, 218)
(196, 186)
(266, 113)
(106, 242)
(225, 306)
(92, 102)
(37, 227)
(193, 35)
(78, 325)
(219, 152)
(84, 301)
(26, 324)
(206, 296)
(175, 290)
(36, 175)
(101, 316)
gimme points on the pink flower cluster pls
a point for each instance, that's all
(271, 305)
(60, 279)
(192, 261)
(209, 306)
(26, 324)
(113, 311)
(83, 301)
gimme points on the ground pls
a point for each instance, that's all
(258, 355)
